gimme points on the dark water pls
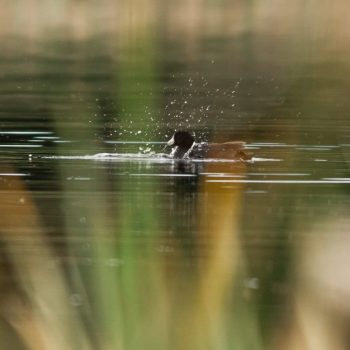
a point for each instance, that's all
(85, 186)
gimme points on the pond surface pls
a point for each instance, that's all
(131, 248)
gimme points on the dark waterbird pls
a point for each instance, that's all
(184, 147)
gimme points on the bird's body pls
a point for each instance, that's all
(184, 147)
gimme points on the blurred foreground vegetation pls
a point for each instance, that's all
(187, 264)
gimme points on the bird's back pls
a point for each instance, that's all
(227, 150)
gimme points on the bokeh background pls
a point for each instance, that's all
(132, 251)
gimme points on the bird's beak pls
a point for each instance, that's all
(169, 144)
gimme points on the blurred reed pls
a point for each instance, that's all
(129, 296)
(190, 19)
(121, 291)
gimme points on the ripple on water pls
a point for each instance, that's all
(151, 157)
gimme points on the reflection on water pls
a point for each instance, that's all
(107, 243)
